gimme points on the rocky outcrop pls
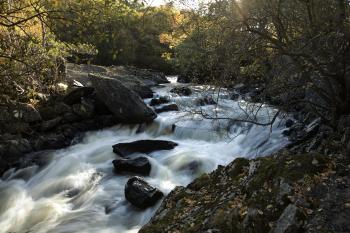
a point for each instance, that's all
(141, 194)
(140, 165)
(138, 80)
(282, 193)
(142, 146)
(126, 105)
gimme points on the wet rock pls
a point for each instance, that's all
(141, 194)
(140, 165)
(182, 91)
(142, 146)
(167, 108)
(51, 141)
(50, 124)
(289, 221)
(127, 106)
(208, 100)
(159, 101)
(76, 95)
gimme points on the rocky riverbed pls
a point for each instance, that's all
(71, 171)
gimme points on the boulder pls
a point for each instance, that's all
(140, 165)
(50, 124)
(15, 147)
(125, 104)
(141, 194)
(51, 142)
(58, 109)
(85, 109)
(167, 108)
(159, 101)
(289, 221)
(75, 96)
(182, 91)
(142, 146)
(207, 100)
(135, 84)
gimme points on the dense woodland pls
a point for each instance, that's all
(295, 50)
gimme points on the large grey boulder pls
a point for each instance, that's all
(125, 104)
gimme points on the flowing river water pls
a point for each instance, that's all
(76, 189)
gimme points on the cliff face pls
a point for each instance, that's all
(281, 193)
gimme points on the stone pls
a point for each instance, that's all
(167, 108)
(56, 110)
(50, 124)
(23, 112)
(142, 146)
(76, 95)
(85, 109)
(159, 101)
(289, 123)
(207, 100)
(289, 221)
(141, 194)
(182, 91)
(125, 104)
(51, 142)
(140, 165)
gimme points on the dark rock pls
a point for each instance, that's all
(141, 194)
(140, 165)
(289, 221)
(159, 101)
(207, 100)
(50, 124)
(124, 103)
(85, 109)
(56, 110)
(19, 112)
(289, 123)
(183, 79)
(142, 146)
(167, 108)
(76, 95)
(235, 96)
(182, 91)
(51, 142)
(15, 147)
(70, 118)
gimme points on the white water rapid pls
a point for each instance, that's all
(76, 189)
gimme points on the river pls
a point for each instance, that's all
(76, 190)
